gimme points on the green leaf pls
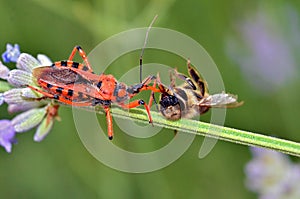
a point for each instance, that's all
(4, 86)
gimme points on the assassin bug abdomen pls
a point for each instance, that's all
(75, 84)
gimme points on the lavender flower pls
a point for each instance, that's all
(11, 54)
(22, 98)
(41, 117)
(272, 175)
(3, 71)
(263, 48)
(1, 99)
(7, 134)
(36, 113)
(28, 120)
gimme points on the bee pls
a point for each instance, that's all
(191, 98)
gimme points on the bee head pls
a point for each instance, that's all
(170, 107)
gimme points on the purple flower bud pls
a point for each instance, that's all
(44, 60)
(38, 112)
(28, 93)
(14, 108)
(27, 62)
(20, 78)
(264, 50)
(1, 99)
(272, 175)
(43, 129)
(29, 119)
(11, 54)
(3, 71)
(14, 96)
(21, 99)
(7, 134)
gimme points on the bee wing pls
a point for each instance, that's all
(221, 100)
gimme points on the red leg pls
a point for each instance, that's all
(109, 123)
(144, 85)
(137, 103)
(160, 89)
(52, 112)
(151, 96)
(59, 98)
(82, 54)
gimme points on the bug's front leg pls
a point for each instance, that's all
(135, 89)
(161, 88)
(137, 103)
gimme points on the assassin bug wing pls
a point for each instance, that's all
(221, 100)
(81, 92)
(62, 75)
(196, 77)
(84, 71)
(51, 74)
(67, 82)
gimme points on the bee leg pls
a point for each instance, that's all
(182, 77)
(172, 78)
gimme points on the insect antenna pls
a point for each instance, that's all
(143, 49)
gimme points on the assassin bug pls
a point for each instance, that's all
(75, 84)
(191, 98)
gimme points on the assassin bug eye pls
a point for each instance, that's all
(99, 84)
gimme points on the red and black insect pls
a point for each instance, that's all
(76, 84)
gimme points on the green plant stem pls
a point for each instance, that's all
(214, 131)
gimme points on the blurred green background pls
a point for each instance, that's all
(61, 167)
